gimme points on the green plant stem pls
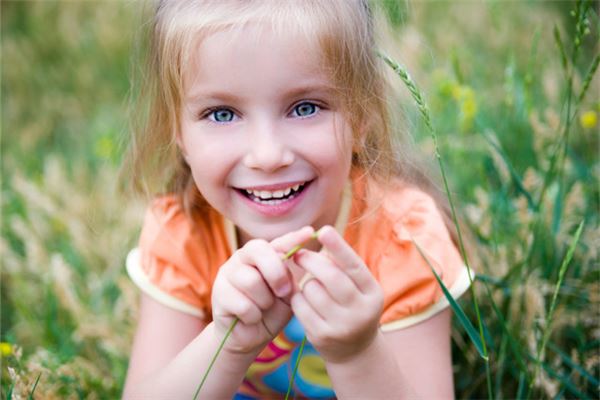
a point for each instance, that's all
(300, 351)
(236, 320)
(547, 330)
(30, 397)
(212, 361)
(416, 94)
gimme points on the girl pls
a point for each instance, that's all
(272, 121)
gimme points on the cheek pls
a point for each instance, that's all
(209, 163)
(330, 146)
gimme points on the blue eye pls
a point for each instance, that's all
(305, 109)
(221, 115)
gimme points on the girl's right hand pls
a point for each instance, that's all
(255, 286)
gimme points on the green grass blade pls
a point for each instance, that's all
(10, 391)
(560, 395)
(458, 311)
(513, 174)
(565, 381)
(569, 361)
(30, 397)
(494, 281)
(212, 361)
(561, 275)
(521, 387)
(418, 98)
(300, 351)
(557, 209)
(588, 78)
(561, 49)
(236, 320)
(514, 346)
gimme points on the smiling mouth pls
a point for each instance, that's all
(274, 197)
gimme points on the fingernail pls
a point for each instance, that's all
(307, 229)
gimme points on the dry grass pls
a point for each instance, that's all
(498, 95)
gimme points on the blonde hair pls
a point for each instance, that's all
(344, 32)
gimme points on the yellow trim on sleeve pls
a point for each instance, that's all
(460, 286)
(230, 234)
(141, 280)
(344, 211)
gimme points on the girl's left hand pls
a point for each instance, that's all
(340, 305)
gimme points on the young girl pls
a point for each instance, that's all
(270, 119)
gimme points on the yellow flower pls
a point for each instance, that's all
(465, 97)
(104, 147)
(6, 349)
(588, 119)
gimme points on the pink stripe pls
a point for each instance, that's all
(246, 382)
(277, 351)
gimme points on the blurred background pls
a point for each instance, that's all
(515, 102)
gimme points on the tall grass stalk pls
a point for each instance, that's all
(286, 256)
(37, 380)
(212, 361)
(455, 306)
(568, 64)
(418, 98)
(547, 328)
(296, 365)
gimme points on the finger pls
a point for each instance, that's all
(346, 258)
(293, 240)
(339, 286)
(308, 317)
(250, 282)
(277, 317)
(320, 300)
(241, 306)
(262, 256)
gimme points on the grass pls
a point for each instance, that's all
(286, 256)
(512, 93)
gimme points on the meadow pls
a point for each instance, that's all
(512, 94)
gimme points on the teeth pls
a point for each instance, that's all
(269, 197)
(269, 202)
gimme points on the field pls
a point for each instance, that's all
(512, 92)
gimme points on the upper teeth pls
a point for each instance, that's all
(277, 194)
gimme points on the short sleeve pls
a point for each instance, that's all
(169, 265)
(411, 292)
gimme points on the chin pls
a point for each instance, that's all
(269, 233)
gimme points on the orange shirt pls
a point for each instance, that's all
(177, 262)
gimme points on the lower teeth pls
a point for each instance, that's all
(273, 202)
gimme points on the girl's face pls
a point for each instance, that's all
(263, 132)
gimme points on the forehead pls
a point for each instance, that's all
(255, 53)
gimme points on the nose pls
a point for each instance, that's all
(267, 147)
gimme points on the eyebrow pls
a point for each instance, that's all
(216, 95)
(227, 97)
(310, 89)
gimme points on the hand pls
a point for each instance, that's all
(341, 305)
(254, 285)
